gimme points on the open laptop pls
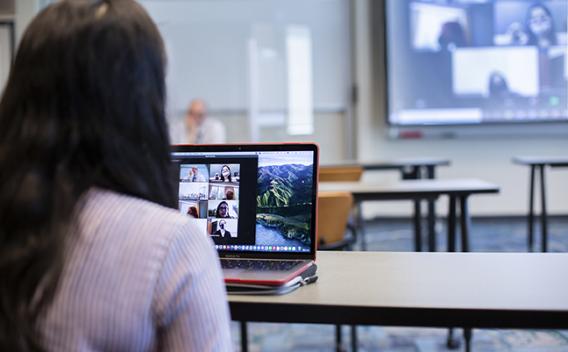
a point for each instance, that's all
(257, 202)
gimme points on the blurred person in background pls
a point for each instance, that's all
(200, 128)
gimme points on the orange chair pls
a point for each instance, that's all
(340, 173)
(343, 173)
(334, 209)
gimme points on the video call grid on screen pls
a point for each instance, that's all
(476, 61)
(249, 201)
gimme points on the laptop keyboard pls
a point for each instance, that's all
(260, 265)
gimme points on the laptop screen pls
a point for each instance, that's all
(250, 200)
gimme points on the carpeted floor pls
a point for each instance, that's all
(488, 235)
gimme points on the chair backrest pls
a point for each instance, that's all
(340, 173)
(334, 209)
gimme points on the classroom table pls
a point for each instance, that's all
(407, 166)
(410, 169)
(470, 290)
(539, 163)
(458, 191)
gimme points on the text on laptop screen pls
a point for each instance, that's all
(258, 201)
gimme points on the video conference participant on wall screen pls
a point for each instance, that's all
(94, 254)
(477, 61)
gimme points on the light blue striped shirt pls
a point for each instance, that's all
(138, 277)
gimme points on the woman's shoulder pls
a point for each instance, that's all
(129, 258)
(123, 219)
(129, 206)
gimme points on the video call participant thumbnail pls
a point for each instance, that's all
(224, 209)
(194, 209)
(194, 173)
(193, 191)
(223, 231)
(222, 192)
(229, 173)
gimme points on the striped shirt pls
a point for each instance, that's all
(138, 277)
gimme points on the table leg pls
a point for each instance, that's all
(452, 343)
(410, 173)
(543, 215)
(431, 226)
(430, 174)
(414, 173)
(361, 226)
(354, 338)
(452, 224)
(467, 336)
(338, 339)
(244, 337)
(417, 227)
(465, 223)
(531, 209)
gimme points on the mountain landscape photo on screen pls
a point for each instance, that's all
(284, 201)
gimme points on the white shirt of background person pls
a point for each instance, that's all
(201, 129)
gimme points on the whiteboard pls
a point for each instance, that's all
(207, 43)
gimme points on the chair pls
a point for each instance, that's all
(334, 209)
(344, 173)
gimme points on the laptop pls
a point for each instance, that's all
(258, 204)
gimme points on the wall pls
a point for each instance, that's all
(25, 11)
(328, 132)
(480, 157)
(209, 50)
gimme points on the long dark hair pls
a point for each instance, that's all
(217, 214)
(229, 178)
(83, 107)
(550, 35)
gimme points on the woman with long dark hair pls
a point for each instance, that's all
(93, 254)
(539, 25)
(222, 210)
(226, 174)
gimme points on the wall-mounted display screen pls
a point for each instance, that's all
(476, 61)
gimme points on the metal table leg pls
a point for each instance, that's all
(338, 339)
(467, 336)
(430, 174)
(361, 226)
(531, 210)
(244, 337)
(417, 227)
(451, 342)
(414, 173)
(543, 215)
(465, 230)
(452, 224)
(465, 223)
(354, 343)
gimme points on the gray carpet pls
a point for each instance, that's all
(488, 235)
